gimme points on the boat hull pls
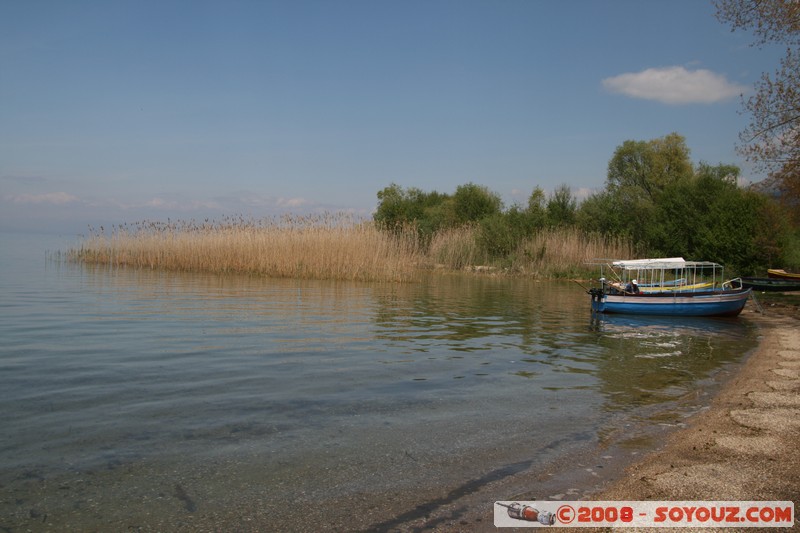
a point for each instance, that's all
(718, 303)
(772, 284)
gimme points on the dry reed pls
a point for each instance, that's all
(454, 248)
(321, 247)
(565, 252)
(337, 247)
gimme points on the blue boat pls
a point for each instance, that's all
(668, 287)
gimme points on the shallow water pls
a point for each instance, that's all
(154, 400)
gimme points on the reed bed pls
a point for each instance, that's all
(454, 248)
(550, 253)
(338, 247)
(566, 252)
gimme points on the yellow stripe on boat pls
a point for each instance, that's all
(678, 288)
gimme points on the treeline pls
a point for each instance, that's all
(655, 200)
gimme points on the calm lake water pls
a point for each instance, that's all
(145, 400)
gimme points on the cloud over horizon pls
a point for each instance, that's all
(52, 198)
(675, 86)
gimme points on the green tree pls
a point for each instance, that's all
(601, 213)
(537, 208)
(562, 207)
(709, 217)
(729, 173)
(671, 161)
(473, 202)
(501, 234)
(638, 174)
(629, 171)
(639, 170)
(398, 208)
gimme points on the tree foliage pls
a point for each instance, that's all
(398, 207)
(654, 195)
(669, 207)
(772, 139)
(771, 20)
(561, 207)
(472, 203)
(499, 232)
(709, 217)
(641, 169)
(638, 174)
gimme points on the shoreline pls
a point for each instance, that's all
(742, 447)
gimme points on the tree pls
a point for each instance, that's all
(473, 202)
(638, 174)
(561, 207)
(729, 173)
(772, 139)
(771, 20)
(429, 212)
(671, 161)
(629, 170)
(398, 207)
(710, 217)
(537, 208)
(639, 170)
(602, 213)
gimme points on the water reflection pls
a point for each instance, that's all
(445, 328)
(312, 387)
(657, 359)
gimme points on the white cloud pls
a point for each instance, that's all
(254, 200)
(292, 202)
(177, 205)
(675, 85)
(160, 202)
(53, 198)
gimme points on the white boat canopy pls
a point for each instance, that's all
(647, 264)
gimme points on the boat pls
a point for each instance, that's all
(771, 284)
(668, 286)
(779, 273)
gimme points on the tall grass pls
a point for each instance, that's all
(550, 253)
(454, 248)
(321, 247)
(336, 247)
(565, 252)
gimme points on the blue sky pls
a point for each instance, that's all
(121, 111)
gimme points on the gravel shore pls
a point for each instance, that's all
(745, 447)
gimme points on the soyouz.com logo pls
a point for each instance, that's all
(644, 514)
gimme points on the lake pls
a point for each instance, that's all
(147, 400)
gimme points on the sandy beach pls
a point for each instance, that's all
(743, 447)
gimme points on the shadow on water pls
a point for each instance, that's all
(423, 510)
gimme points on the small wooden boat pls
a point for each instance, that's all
(771, 284)
(782, 274)
(668, 286)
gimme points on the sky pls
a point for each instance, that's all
(122, 111)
